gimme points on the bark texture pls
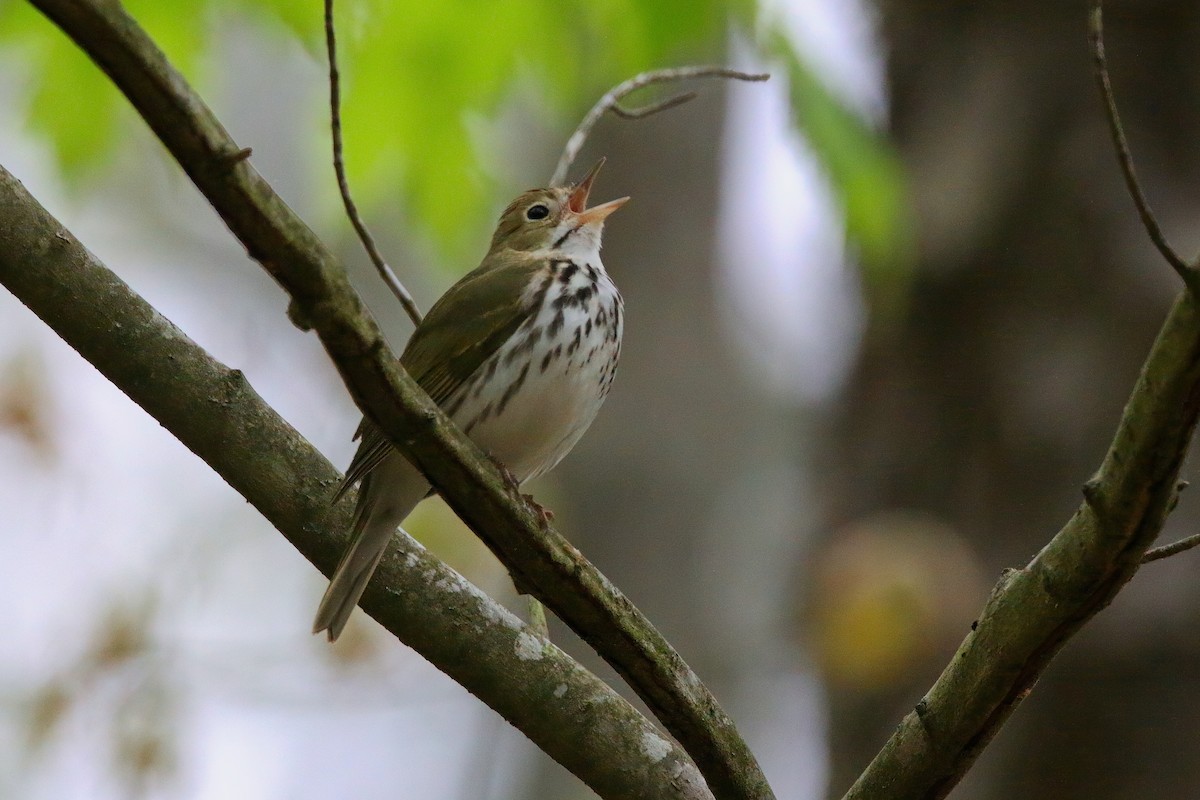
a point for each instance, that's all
(566, 710)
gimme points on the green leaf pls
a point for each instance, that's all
(417, 77)
(301, 20)
(415, 73)
(72, 104)
(81, 134)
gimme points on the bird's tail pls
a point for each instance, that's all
(384, 500)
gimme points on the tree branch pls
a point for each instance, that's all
(339, 168)
(611, 101)
(536, 555)
(1096, 37)
(563, 708)
(1033, 611)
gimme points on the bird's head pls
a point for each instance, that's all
(554, 218)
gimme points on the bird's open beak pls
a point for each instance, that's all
(598, 213)
(577, 202)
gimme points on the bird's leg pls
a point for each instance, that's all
(510, 481)
(545, 515)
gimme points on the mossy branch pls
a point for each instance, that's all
(1033, 611)
(537, 556)
(565, 709)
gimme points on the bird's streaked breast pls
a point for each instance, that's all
(529, 403)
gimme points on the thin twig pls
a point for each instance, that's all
(1124, 158)
(339, 167)
(653, 108)
(611, 102)
(1168, 550)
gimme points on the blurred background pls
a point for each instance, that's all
(883, 313)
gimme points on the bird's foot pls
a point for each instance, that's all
(510, 481)
(546, 515)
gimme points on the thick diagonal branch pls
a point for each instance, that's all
(537, 556)
(1034, 610)
(567, 711)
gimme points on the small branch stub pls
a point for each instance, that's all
(1169, 550)
(238, 156)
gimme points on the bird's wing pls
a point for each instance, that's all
(371, 450)
(470, 322)
(463, 329)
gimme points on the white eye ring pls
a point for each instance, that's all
(537, 211)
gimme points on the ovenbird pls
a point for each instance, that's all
(520, 353)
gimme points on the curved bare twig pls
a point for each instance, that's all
(339, 167)
(1096, 36)
(653, 108)
(611, 101)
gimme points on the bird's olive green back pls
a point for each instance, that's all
(467, 325)
(470, 322)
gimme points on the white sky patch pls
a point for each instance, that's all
(794, 303)
(839, 38)
(789, 736)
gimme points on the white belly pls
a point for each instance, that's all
(530, 407)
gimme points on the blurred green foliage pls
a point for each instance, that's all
(414, 74)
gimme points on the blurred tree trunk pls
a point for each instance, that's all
(990, 401)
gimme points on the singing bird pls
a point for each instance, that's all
(520, 353)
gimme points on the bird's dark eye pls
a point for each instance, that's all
(538, 211)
